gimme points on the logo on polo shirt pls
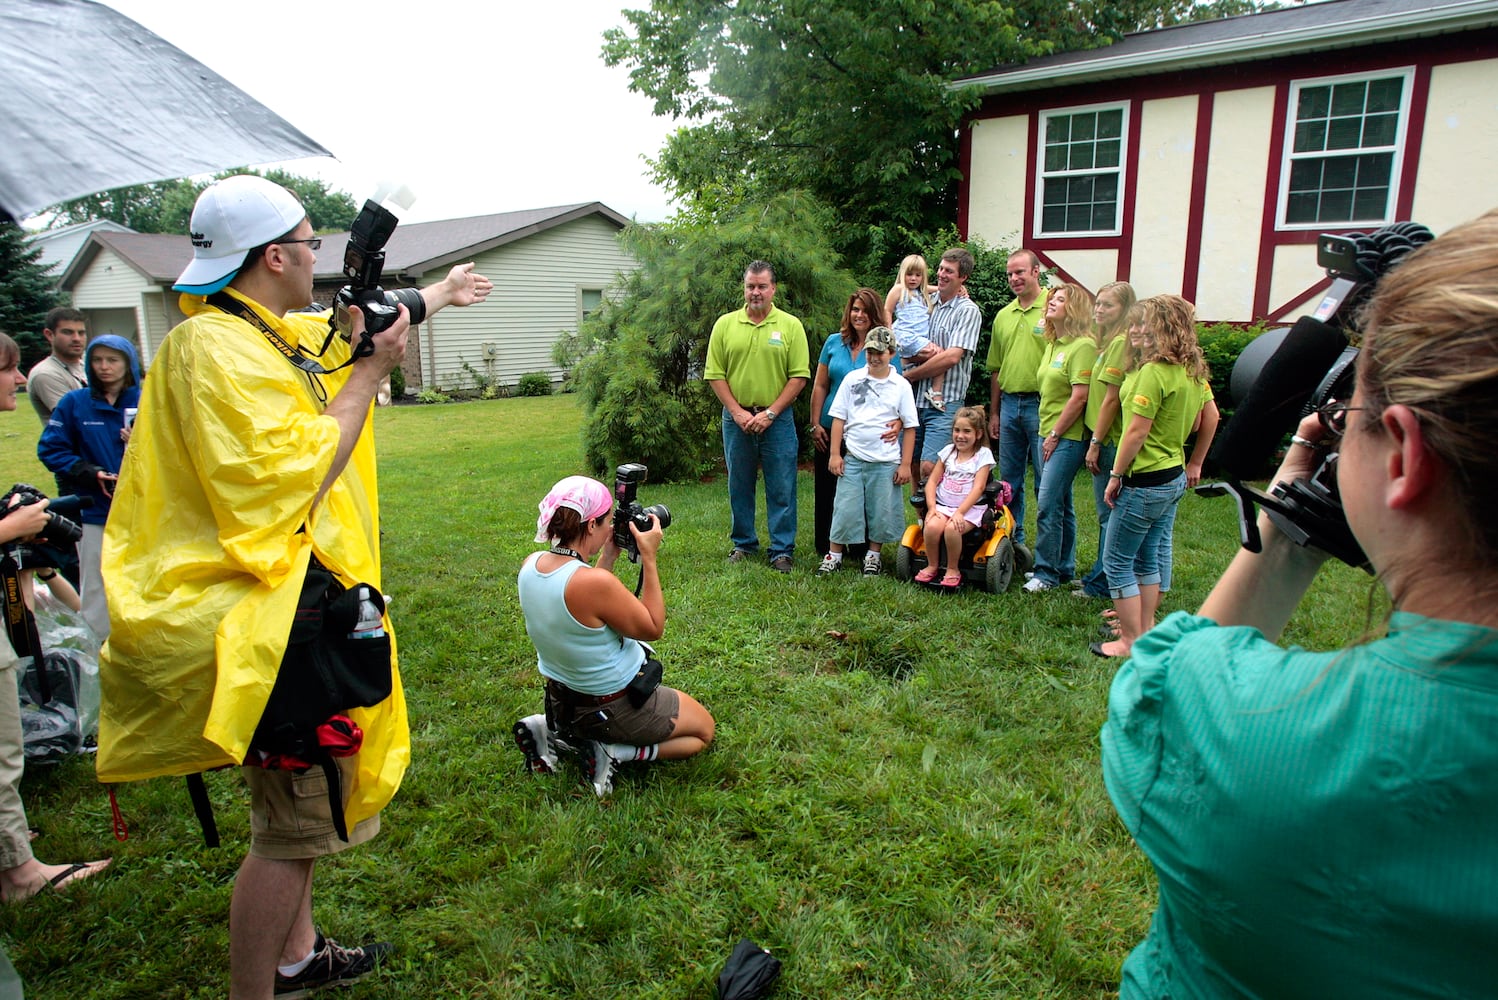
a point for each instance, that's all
(775, 338)
(1140, 399)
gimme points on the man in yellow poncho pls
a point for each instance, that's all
(241, 467)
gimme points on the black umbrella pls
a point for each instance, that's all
(94, 101)
(749, 973)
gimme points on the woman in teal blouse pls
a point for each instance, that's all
(1322, 824)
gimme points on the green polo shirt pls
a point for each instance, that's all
(1165, 394)
(1018, 343)
(757, 359)
(1066, 363)
(1109, 370)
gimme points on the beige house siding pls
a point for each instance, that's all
(528, 309)
(1461, 145)
(1237, 175)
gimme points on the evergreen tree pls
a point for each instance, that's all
(27, 292)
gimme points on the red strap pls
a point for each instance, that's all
(121, 832)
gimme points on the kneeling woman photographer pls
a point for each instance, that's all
(1322, 823)
(603, 696)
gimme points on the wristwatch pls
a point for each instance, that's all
(771, 413)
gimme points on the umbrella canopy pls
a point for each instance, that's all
(94, 101)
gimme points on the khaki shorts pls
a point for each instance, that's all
(618, 721)
(290, 816)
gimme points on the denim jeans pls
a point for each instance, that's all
(1132, 555)
(1095, 583)
(775, 452)
(1166, 556)
(1055, 519)
(1019, 445)
(934, 434)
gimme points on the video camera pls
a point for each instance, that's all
(363, 265)
(627, 480)
(1285, 375)
(60, 532)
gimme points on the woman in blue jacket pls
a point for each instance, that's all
(84, 443)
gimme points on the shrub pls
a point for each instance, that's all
(397, 383)
(1221, 345)
(534, 384)
(432, 396)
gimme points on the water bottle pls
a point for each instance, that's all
(370, 624)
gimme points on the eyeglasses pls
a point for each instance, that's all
(315, 243)
(1333, 417)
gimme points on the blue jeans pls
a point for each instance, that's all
(1056, 521)
(934, 434)
(1166, 556)
(1132, 555)
(1019, 445)
(775, 452)
(1095, 583)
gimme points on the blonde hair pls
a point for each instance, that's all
(10, 352)
(1171, 322)
(915, 262)
(1076, 315)
(978, 417)
(1431, 344)
(1124, 293)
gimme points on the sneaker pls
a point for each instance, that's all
(1029, 576)
(1036, 585)
(781, 564)
(534, 740)
(332, 965)
(830, 565)
(598, 768)
(871, 564)
(737, 556)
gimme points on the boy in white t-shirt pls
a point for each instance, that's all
(868, 505)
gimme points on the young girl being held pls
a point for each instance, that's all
(954, 494)
(908, 306)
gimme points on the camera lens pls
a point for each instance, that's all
(661, 514)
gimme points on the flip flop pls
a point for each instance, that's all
(75, 872)
(927, 575)
(951, 581)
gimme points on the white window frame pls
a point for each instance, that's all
(1044, 175)
(1290, 157)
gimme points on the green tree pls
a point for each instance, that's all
(166, 206)
(845, 99)
(637, 362)
(26, 293)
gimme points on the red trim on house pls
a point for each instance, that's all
(965, 170)
(1032, 152)
(1200, 159)
(1313, 293)
(1125, 262)
(1414, 136)
(1270, 209)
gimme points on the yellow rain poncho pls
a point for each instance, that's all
(203, 557)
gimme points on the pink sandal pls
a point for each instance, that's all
(927, 575)
(952, 580)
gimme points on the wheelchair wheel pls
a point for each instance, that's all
(1024, 559)
(1000, 567)
(905, 564)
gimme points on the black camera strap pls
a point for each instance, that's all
(20, 624)
(227, 303)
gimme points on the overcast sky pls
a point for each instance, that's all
(482, 105)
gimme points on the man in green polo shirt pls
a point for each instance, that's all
(757, 363)
(1014, 356)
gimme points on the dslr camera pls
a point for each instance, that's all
(363, 265)
(60, 532)
(627, 480)
(1287, 374)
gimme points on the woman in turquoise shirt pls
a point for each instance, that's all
(1322, 823)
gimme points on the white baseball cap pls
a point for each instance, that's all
(233, 217)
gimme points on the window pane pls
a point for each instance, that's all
(1336, 206)
(1105, 187)
(1375, 169)
(1108, 153)
(1110, 125)
(1370, 203)
(1057, 128)
(1055, 158)
(1081, 156)
(1344, 133)
(1379, 130)
(1301, 208)
(1305, 175)
(1347, 98)
(1384, 95)
(1314, 102)
(1080, 189)
(1339, 172)
(1104, 215)
(1078, 218)
(1055, 193)
(1310, 137)
(1083, 127)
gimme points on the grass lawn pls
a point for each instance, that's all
(904, 799)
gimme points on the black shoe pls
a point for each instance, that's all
(332, 965)
(781, 564)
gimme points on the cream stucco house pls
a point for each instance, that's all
(1204, 159)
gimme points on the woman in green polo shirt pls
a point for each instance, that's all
(1158, 400)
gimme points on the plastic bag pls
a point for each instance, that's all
(69, 722)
